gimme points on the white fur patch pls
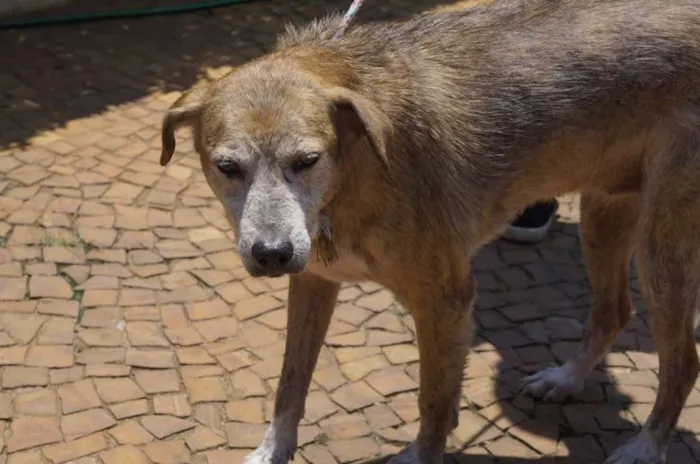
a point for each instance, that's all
(556, 383)
(640, 450)
(278, 446)
(409, 455)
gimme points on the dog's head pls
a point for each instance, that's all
(271, 138)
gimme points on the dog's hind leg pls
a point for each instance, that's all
(608, 225)
(443, 328)
(668, 261)
(311, 303)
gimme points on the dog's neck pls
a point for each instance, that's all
(325, 248)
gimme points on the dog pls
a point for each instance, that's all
(393, 152)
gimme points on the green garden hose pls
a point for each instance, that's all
(118, 14)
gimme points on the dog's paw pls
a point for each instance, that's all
(639, 450)
(554, 383)
(268, 455)
(409, 455)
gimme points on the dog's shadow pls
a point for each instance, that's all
(70, 72)
(531, 312)
(466, 458)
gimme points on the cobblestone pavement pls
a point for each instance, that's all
(130, 333)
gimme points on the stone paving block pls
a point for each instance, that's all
(345, 426)
(318, 453)
(354, 449)
(101, 337)
(96, 298)
(13, 288)
(129, 409)
(153, 359)
(355, 396)
(26, 457)
(210, 415)
(24, 307)
(57, 331)
(164, 426)
(167, 452)
(157, 381)
(20, 376)
(253, 307)
(84, 423)
(130, 432)
(175, 405)
(49, 287)
(118, 390)
(5, 405)
(6, 340)
(251, 410)
(358, 369)
(205, 389)
(50, 356)
(213, 330)
(99, 356)
(223, 456)
(318, 406)
(23, 328)
(78, 396)
(36, 403)
(29, 432)
(405, 405)
(65, 375)
(121, 454)
(507, 447)
(194, 355)
(390, 381)
(203, 438)
(75, 449)
(242, 435)
(346, 354)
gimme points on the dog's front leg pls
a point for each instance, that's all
(311, 303)
(443, 329)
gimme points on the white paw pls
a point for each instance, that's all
(409, 455)
(640, 450)
(554, 383)
(265, 454)
(278, 446)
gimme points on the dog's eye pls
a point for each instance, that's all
(230, 168)
(306, 161)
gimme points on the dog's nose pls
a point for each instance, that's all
(272, 255)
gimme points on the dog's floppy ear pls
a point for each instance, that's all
(368, 118)
(182, 112)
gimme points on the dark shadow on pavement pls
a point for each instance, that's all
(466, 458)
(531, 313)
(53, 76)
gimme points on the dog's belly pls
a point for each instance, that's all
(347, 268)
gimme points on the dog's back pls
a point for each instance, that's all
(538, 56)
(501, 81)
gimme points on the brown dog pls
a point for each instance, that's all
(415, 142)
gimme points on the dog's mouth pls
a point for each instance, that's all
(272, 273)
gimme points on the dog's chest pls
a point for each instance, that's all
(348, 267)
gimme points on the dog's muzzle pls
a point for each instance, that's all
(273, 258)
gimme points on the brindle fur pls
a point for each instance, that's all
(436, 131)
